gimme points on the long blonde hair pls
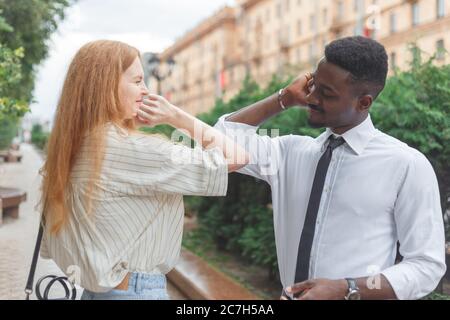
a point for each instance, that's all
(89, 100)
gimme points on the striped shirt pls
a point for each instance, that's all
(137, 214)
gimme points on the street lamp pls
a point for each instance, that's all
(155, 67)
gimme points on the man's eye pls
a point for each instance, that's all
(323, 94)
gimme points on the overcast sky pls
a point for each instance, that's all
(149, 25)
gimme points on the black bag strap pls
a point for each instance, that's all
(29, 286)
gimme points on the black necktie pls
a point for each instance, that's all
(306, 240)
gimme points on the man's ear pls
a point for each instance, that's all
(365, 102)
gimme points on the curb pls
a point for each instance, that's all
(199, 281)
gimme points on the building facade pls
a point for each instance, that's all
(261, 38)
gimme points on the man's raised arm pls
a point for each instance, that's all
(259, 112)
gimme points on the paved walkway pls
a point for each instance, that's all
(17, 237)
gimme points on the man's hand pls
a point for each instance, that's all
(319, 289)
(295, 93)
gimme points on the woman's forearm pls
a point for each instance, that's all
(209, 137)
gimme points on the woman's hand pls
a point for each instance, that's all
(157, 110)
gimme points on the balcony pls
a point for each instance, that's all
(337, 23)
(284, 44)
(256, 54)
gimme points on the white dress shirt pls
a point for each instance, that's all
(377, 191)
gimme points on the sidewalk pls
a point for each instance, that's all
(18, 237)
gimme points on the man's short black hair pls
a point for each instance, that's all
(364, 58)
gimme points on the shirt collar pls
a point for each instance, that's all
(357, 138)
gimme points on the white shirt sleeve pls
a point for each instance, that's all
(420, 229)
(266, 152)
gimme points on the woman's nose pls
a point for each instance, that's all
(145, 90)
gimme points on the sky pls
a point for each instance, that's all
(149, 25)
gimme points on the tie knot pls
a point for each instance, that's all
(335, 142)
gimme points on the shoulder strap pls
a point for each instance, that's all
(29, 286)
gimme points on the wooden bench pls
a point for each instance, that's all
(10, 201)
(11, 155)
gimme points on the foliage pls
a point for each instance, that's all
(25, 26)
(32, 23)
(38, 136)
(10, 77)
(8, 130)
(415, 108)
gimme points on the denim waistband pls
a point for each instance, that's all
(139, 281)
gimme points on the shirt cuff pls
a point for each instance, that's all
(222, 124)
(402, 284)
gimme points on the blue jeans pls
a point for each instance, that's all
(140, 287)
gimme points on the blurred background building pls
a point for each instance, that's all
(261, 38)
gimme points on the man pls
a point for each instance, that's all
(342, 201)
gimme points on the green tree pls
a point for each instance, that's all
(32, 23)
(10, 74)
(10, 77)
(25, 25)
(38, 136)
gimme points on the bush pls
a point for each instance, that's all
(38, 137)
(415, 108)
(8, 130)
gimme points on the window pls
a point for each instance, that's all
(299, 2)
(355, 5)
(267, 15)
(393, 23)
(279, 10)
(312, 21)
(287, 35)
(299, 56)
(340, 9)
(299, 27)
(393, 60)
(440, 6)
(312, 51)
(287, 5)
(374, 34)
(325, 16)
(415, 14)
(440, 50)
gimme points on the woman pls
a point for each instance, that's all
(113, 197)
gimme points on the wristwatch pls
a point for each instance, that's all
(353, 290)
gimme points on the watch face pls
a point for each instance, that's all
(354, 295)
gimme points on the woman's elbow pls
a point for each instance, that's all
(239, 162)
